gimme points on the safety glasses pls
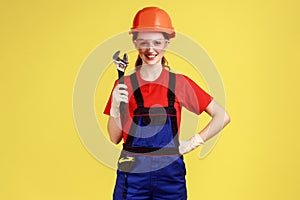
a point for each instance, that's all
(156, 44)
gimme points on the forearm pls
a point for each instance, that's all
(220, 119)
(114, 126)
(217, 123)
(114, 129)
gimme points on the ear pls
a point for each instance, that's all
(167, 45)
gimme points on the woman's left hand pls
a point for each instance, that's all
(186, 146)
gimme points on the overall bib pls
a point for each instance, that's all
(150, 166)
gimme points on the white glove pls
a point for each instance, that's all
(186, 146)
(119, 95)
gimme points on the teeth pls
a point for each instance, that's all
(151, 56)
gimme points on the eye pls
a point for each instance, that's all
(157, 42)
(143, 43)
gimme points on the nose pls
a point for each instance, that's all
(150, 48)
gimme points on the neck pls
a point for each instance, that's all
(150, 72)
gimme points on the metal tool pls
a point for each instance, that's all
(121, 65)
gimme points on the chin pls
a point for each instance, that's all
(151, 63)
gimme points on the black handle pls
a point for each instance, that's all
(121, 81)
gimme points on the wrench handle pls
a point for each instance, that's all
(121, 81)
(120, 75)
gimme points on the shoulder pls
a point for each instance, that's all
(181, 78)
(184, 82)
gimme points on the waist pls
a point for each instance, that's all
(150, 151)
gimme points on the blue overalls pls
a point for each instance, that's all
(150, 166)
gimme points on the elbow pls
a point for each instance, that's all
(114, 137)
(115, 140)
(222, 117)
(226, 119)
(115, 133)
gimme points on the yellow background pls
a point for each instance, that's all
(254, 44)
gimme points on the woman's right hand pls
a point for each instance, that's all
(119, 95)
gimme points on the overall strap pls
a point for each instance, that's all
(140, 102)
(138, 94)
(171, 89)
(137, 91)
(171, 102)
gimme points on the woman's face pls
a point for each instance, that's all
(151, 47)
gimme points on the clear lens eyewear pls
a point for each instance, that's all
(156, 44)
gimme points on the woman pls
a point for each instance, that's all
(151, 163)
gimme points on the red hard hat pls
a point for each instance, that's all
(153, 19)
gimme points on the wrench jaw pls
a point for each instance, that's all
(121, 64)
(121, 67)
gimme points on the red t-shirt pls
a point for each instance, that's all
(155, 94)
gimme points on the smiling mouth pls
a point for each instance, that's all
(150, 56)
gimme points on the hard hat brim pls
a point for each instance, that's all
(171, 32)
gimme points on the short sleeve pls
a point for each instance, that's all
(191, 96)
(108, 104)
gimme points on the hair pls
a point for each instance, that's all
(139, 61)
